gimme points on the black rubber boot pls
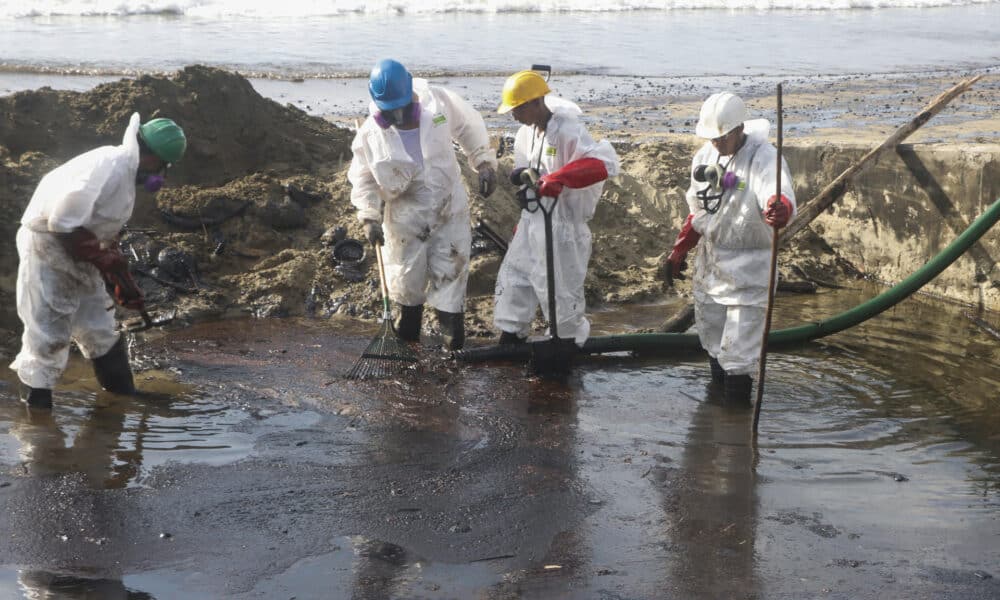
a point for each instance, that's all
(409, 321)
(738, 390)
(510, 339)
(36, 397)
(718, 373)
(113, 371)
(452, 328)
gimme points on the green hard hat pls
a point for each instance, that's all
(165, 138)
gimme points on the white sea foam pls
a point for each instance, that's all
(328, 8)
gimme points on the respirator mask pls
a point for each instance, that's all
(399, 116)
(152, 182)
(719, 181)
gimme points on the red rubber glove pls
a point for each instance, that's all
(124, 289)
(577, 174)
(84, 246)
(778, 211)
(675, 263)
(549, 188)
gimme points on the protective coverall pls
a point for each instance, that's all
(58, 298)
(422, 201)
(522, 284)
(731, 270)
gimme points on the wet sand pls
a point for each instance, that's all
(837, 109)
(842, 108)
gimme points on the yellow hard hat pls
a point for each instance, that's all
(521, 87)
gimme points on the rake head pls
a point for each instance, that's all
(385, 356)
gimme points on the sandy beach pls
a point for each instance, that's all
(837, 109)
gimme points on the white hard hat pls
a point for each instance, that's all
(720, 114)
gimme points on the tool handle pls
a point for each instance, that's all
(486, 231)
(381, 277)
(547, 69)
(762, 366)
(550, 269)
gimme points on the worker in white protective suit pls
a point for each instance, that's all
(409, 192)
(553, 146)
(70, 261)
(734, 209)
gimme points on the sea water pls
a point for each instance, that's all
(304, 39)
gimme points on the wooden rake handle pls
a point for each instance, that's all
(381, 278)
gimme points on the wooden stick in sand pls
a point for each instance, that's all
(772, 274)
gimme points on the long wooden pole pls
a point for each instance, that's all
(808, 211)
(836, 188)
(770, 284)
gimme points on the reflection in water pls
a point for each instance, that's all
(426, 429)
(87, 444)
(714, 508)
(90, 453)
(114, 440)
(497, 442)
(44, 450)
(551, 415)
(479, 470)
(41, 585)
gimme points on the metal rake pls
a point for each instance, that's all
(386, 355)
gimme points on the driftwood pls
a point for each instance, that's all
(808, 211)
(681, 321)
(797, 287)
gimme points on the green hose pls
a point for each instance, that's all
(672, 342)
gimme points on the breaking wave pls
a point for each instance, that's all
(318, 8)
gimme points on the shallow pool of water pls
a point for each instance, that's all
(876, 472)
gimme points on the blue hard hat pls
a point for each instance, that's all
(390, 85)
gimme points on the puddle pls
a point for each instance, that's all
(877, 467)
(115, 441)
(31, 584)
(382, 569)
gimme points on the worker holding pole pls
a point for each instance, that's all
(553, 147)
(733, 207)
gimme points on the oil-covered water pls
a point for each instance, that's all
(876, 473)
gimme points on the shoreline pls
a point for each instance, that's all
(860, 108)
